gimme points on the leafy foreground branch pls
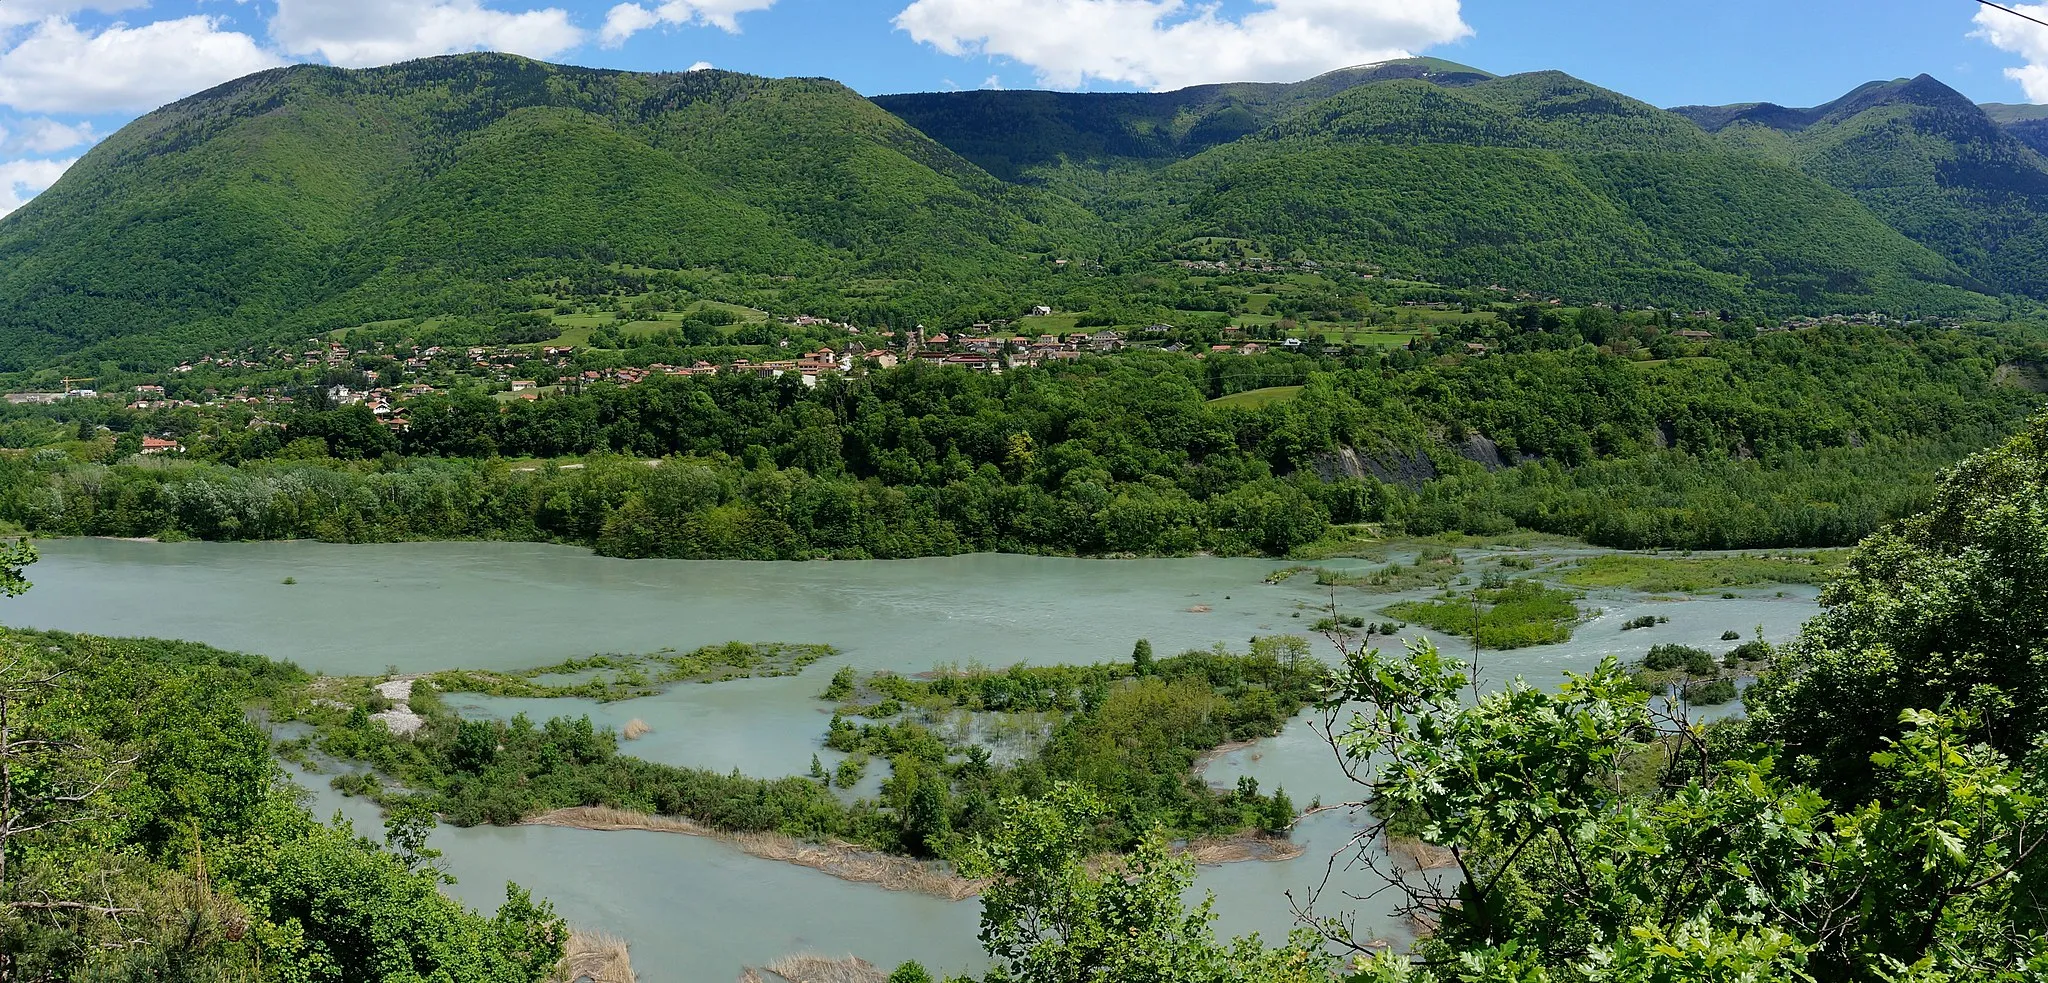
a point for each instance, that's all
(149, 835)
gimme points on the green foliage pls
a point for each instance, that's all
(1723, 869)
(1942, 611)
(276, 896)
(1051, 916)
(1679, 658)
(1127, 737)
(841, 687)
(1711, 692)
(911, 972)
(14, 559)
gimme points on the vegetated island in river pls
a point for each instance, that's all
(1132, 732)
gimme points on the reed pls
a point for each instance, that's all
(636, 729)
(596, 957)
(818, 969)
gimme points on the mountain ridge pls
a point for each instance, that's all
(309, 198)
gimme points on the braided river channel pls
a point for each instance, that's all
(697, 909)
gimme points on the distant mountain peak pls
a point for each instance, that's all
(1922, 90)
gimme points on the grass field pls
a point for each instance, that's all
(1054, 324)
(1691, 575)
(1259, 397)
(576, 329)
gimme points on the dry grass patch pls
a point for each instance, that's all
(851, 863)
(607, 819)
(636, 729)
(818, 969)
(599, 957)
(1242, 848)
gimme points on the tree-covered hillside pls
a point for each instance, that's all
(311, 198)
(1538, 181)
(1011, 132)
(1545, 182)
(1926, 161)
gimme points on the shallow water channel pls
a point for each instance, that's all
(693, 908)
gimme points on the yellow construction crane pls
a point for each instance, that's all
(68, 382)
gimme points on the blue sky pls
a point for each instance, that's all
(72, 71)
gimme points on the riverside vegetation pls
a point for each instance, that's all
(1784, 440)
(1129, 733)
(609, 678)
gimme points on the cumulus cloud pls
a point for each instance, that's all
(21, 180)
(1165, 44)
(59, 68)
(362, 33)
(2028, 40)
(47, 136)
(628, 19)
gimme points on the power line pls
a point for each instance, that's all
(2015, 13)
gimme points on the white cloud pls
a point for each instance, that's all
(362, 33)
(702, 66)
(60, 68)
(1166, 44)
(15, 13)
(21, 180)
(628, 19)
(48, 136)
(2028, 40)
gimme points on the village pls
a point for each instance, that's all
(385, 376)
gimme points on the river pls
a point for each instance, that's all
(694, 909)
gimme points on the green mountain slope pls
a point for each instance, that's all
(1545, 182)
(1011, 132)
(1923, 158)
(308, 198)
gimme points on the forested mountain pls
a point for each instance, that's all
(310, 199)
(314, 197)
(1009, 132)
(1545, 182)
(1924, 159)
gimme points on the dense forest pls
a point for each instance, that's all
(1810, 438)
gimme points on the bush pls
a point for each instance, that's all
(1685, 658)
(910, 972)
(1711, 693)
